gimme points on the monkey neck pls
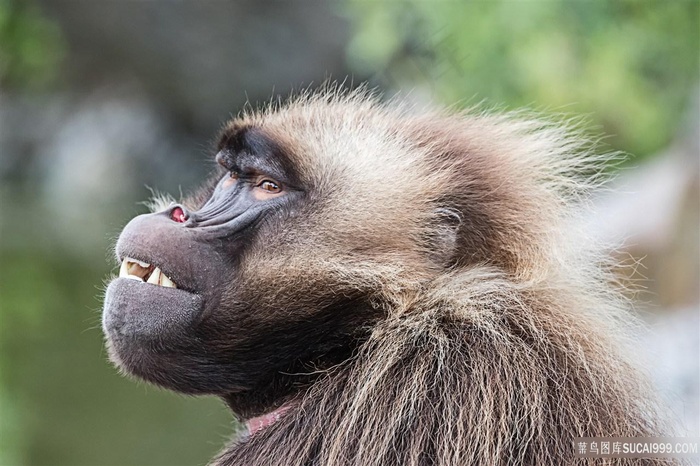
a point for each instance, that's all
(418, 389)
(286, 384)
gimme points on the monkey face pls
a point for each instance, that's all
(227, 293)
(163, 316)
(277, 269)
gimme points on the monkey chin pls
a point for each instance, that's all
(140, 317)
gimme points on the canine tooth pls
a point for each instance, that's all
(134, 277)
(124, 269)
(166, 282)
(155, 276)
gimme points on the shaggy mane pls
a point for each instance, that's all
(519, 348)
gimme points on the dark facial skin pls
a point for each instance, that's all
(201, 337)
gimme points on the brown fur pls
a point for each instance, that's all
(496, 339)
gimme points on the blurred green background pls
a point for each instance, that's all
(100, 101)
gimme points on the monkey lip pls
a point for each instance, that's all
(135, 269)
(137, 312)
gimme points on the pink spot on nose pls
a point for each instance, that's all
(178, 215)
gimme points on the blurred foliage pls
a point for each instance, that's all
(31, 47)
(630, 66)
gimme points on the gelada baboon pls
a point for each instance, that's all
(364, 284)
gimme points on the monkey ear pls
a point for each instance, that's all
(442, 241)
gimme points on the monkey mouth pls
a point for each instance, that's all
(135, 312)
(142, 271)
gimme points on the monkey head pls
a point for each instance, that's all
(320, 215)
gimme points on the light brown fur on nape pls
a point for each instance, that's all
(497, 338)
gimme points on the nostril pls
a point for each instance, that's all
(178, 215)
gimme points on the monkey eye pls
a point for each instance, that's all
(269, 186)
(265, 188)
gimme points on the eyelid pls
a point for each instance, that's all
(251, 176)
(255, 176)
